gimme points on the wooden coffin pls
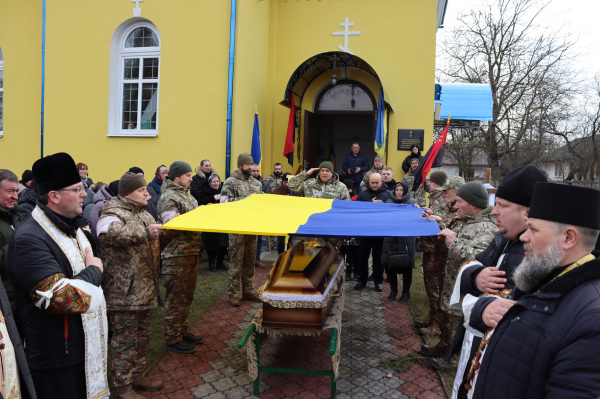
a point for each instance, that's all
(302, 282)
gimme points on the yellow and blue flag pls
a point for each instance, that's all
(255, 150)
(280, 215)
(380, 127)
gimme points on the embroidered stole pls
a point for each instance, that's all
(95, 326)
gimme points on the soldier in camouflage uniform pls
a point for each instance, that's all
(433, 255)
(464, 240)
(377, 168)
(409, 179)
(242, 247)
(179, 259)
(275, 179)
(129, 236)
(326, 185)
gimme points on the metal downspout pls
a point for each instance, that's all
(43, 73)
(230, 87)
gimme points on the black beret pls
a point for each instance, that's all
(54, 172)
(517, 186)
(27, 176)
(566, 203)
(135, 169)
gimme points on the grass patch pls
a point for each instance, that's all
(404, 363)
(419, 306)
(394, 335)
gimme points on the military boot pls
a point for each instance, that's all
(192, 339)
(143, 383)
(234, 301)
(211, 265)
(251, 296)
(129, 394)
(181, 347)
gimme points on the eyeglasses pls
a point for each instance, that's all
(78, 190)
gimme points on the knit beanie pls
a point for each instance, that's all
(378, 158)
(244, 159)
(517, 185)
(326, 164)
(475, 194)
(135, 169)
(438, 177)
(179, 168)
(27, 176)
(130, 182)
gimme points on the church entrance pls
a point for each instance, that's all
(344, 114)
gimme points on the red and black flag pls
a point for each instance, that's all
(433, 158)
(288, 149)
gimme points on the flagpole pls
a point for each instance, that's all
(447, 126)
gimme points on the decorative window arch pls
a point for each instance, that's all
(1, 94)
(134, 80)
(347, 95)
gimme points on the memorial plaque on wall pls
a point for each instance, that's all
(408, 137)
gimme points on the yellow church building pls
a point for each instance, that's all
(122, 83)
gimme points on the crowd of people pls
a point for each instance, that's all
(513, 287)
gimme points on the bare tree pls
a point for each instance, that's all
(527, 68)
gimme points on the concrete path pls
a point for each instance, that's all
(218, 369)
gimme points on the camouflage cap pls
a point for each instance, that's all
(452, 183)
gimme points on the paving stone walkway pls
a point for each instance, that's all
(218, 369)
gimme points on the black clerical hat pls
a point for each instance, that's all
(517, 186)
(54, 172)
(566, 203)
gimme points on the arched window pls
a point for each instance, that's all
(346, 97)
(1, 94)
(135, 81)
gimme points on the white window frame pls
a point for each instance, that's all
(2, 90)
(118, 55)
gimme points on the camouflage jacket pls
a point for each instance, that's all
(439, 208)
(176, 200)
(316, 188)
(419, 195)
(274, 181)
(366, 178)
(131, 259)
(239, 186)
(475, 235)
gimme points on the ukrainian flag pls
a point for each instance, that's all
(280, 215)
(380, 127)
(255, 150)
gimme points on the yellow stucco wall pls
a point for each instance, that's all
(273, 38)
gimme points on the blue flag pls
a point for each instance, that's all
(380, 127)
(255, 151)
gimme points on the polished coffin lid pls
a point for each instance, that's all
(304, 275)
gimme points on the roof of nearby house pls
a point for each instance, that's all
(441, 12)
(464, 101)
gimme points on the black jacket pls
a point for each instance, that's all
(212, 241)
(546, 345)
(152, 206)
(395, 244)
(351, 162)
(408, 160)
(381, 194)
(28, 199)
(198, 181)
(9, 222)
(33, 256)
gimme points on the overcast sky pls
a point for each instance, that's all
(577, 17)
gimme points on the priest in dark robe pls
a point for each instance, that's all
(57, 281)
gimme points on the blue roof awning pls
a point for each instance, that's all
(464, 101)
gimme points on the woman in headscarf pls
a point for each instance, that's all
(215, 243)
(395, 248)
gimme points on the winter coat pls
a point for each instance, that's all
(87, 182)
(316, 188)
(88, 203)
(264, 185)
(33, 255)
(239, 186)
(94, 216)
(408, 160)
(152, 205)
(406, 198)
(369, 195)
(473, 237)
(546, 345)
(28, 199)
(156, 184)
(395, 244)
(9, 222)
(212, 241)
(131, 259)
(351, 162)
(177, 200)
(274, 181)
(197, 181)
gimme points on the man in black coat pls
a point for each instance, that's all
(377, 192)
(492, 269)
(57, 282)
(355, 164)
(544, 342)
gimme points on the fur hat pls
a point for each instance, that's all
(54, 172)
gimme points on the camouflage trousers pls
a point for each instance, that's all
(242, 249)
(129, 345)
(448, 325)
(179, 275)
(434, 260)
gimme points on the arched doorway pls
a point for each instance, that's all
(329, 117)
(343, 114)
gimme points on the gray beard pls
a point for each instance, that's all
(529, 274)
